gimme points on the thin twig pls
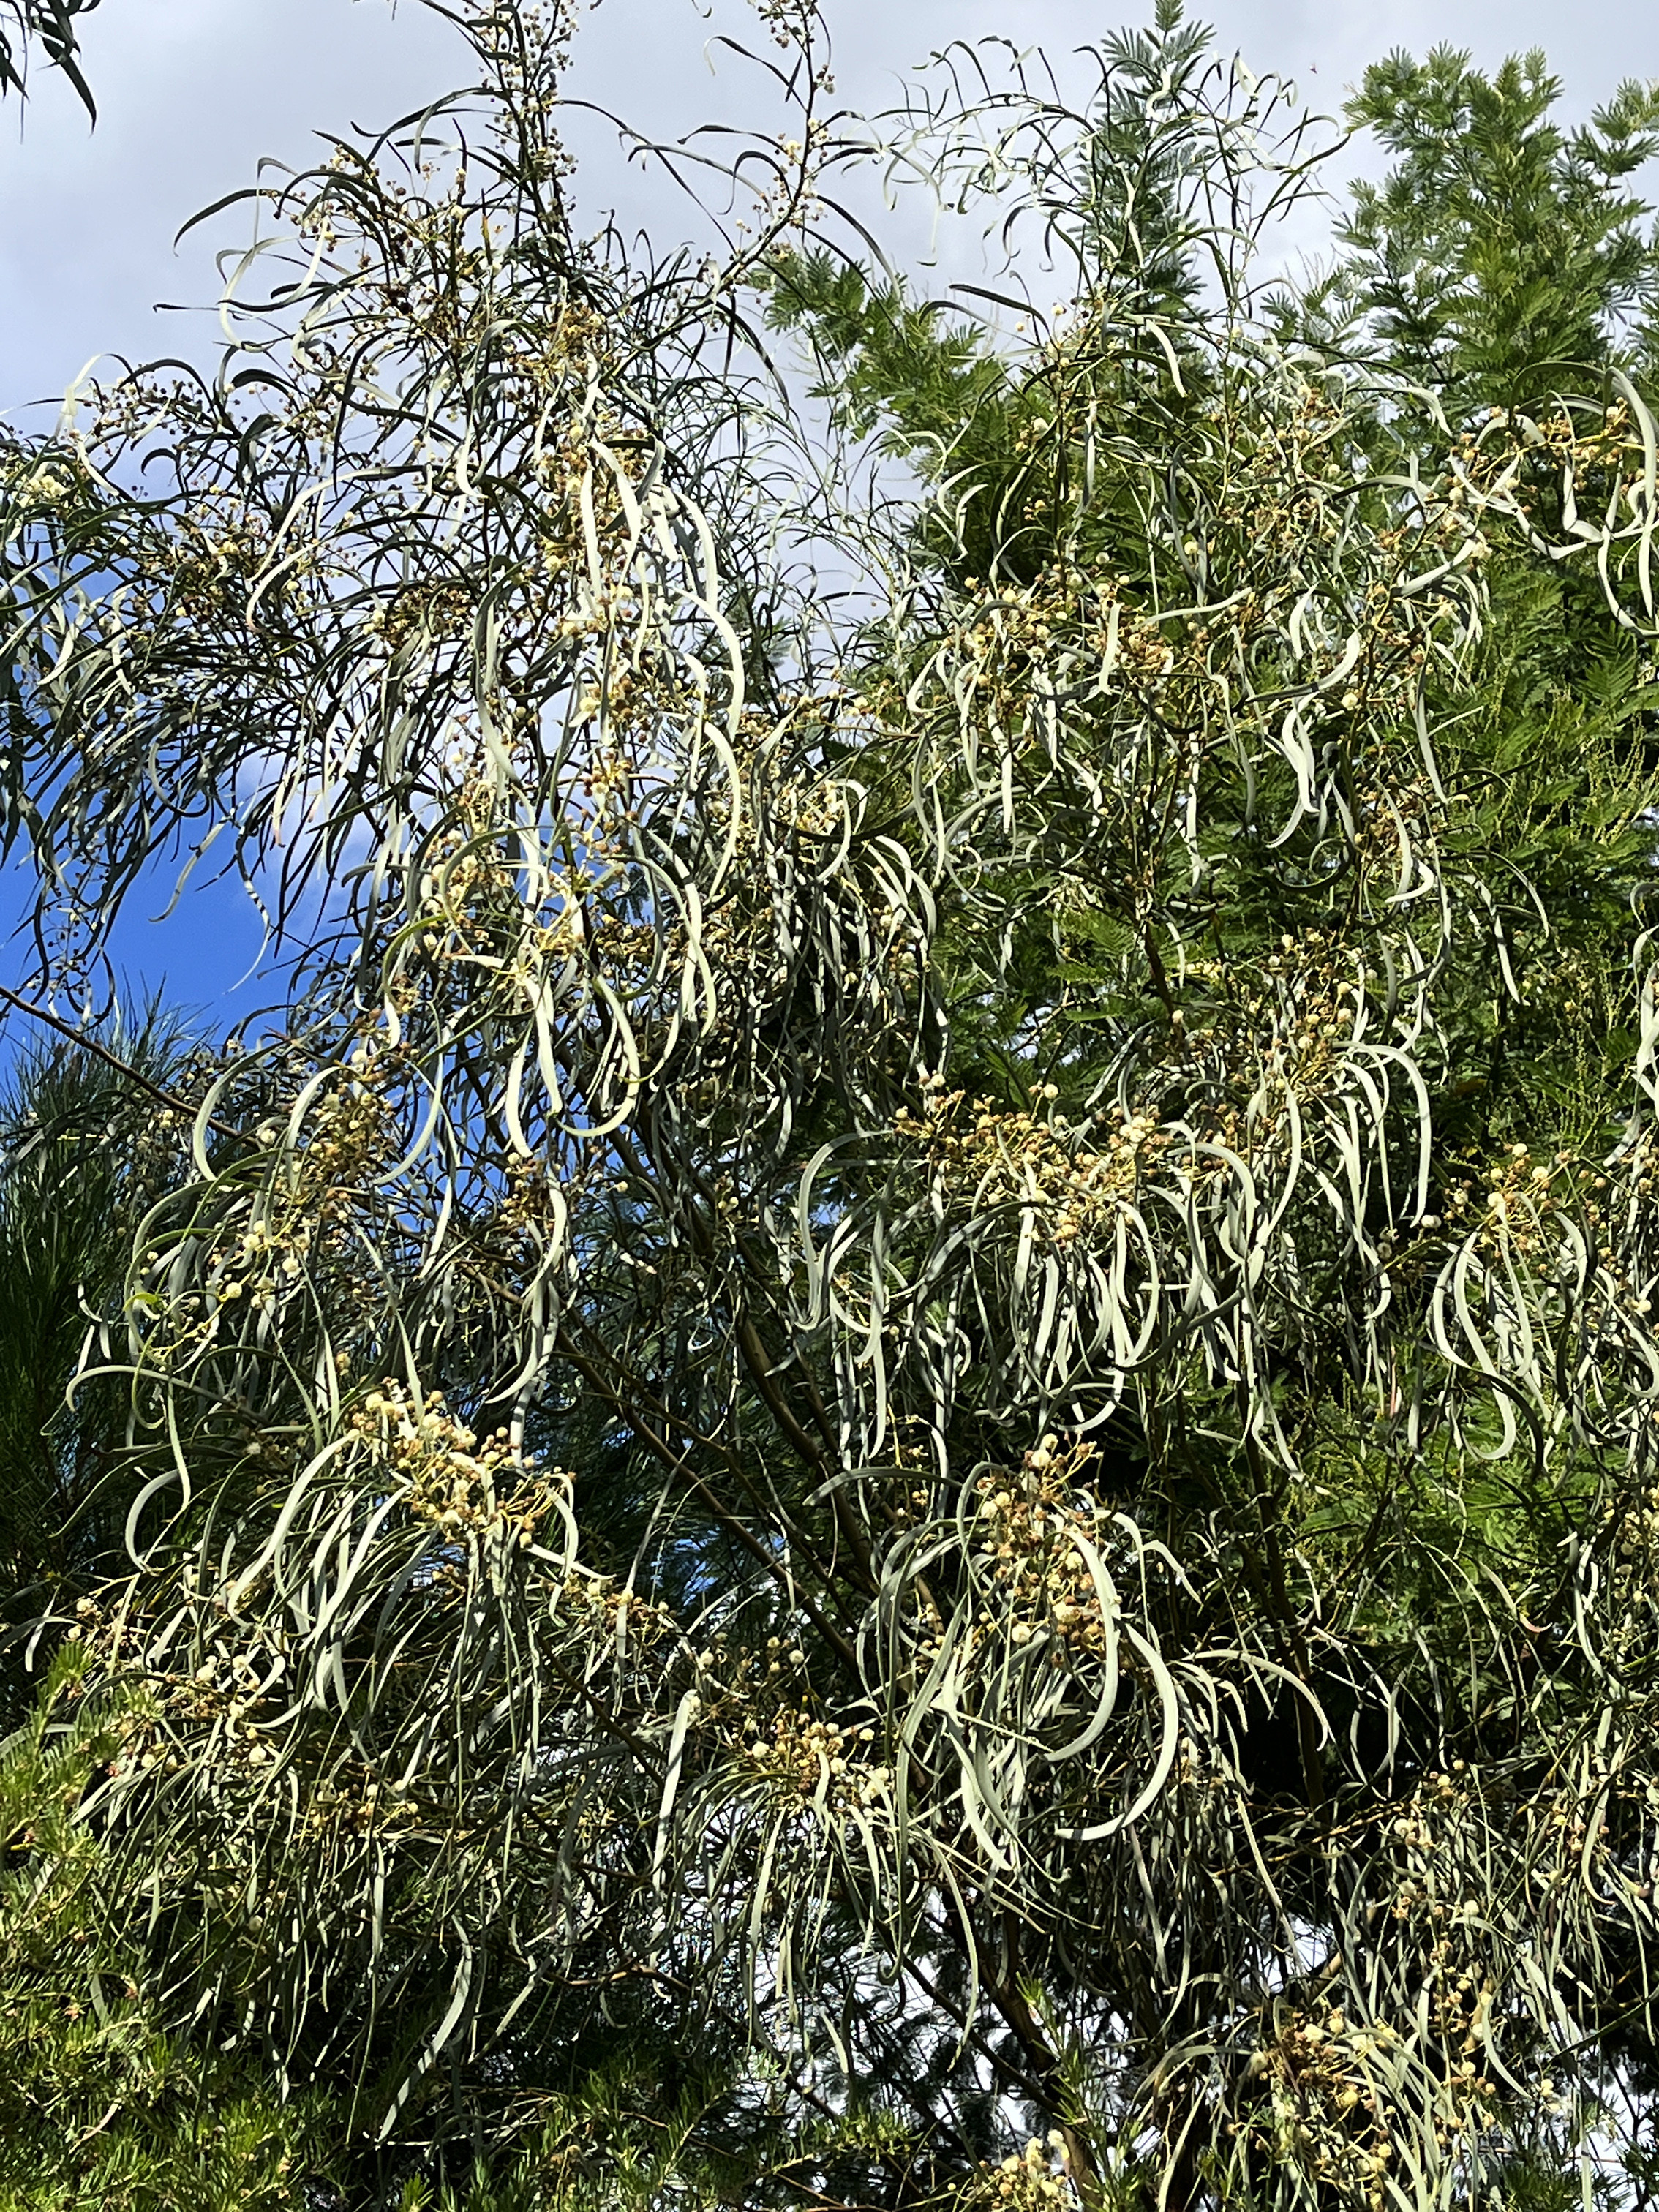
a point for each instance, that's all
(79, 1037)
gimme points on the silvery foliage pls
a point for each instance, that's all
(978, 1440)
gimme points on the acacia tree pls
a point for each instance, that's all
(924, 1343)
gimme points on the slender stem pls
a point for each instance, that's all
(79, 1037)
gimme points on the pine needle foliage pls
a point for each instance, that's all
(85, 1147)
(922, 1356)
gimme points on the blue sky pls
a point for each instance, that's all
(193, 92)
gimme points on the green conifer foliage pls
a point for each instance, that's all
(1502, 259)
(87, 1144)
(97, 2105)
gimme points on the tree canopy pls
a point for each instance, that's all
(894, 1442)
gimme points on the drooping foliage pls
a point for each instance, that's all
(49, 25)
(920, 1363)
(87, 1144)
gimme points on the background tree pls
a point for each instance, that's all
(1502, 259)
(93, 2098)
(87, 1144)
